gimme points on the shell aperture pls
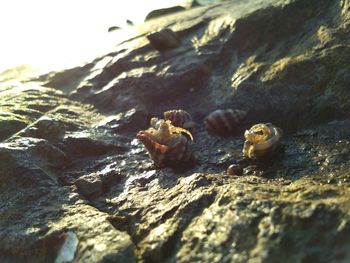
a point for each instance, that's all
(166, 143)
(262, 141)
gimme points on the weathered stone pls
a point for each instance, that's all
(45, 128)
(284, 62)
(89, 186)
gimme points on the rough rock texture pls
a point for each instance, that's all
(285, 62)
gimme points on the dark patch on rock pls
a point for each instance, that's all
(10, 126)
(66, 80)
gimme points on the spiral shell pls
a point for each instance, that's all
(179, 118)
(224, 122)
(166, 144)
(262, 141)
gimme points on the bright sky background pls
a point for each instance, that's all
(52, 34)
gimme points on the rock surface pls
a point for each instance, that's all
(285, 62)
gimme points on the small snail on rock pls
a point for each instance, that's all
(179, 118)
(262, 141)
(234, 169)
(224, 122)
(164, 39)
(168, 146)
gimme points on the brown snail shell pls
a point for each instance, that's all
(166, 144)
(224, 122)
(164, 39)
(262, 141)
(179, 118)
(234, 169)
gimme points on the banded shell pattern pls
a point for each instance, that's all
(262, 141)
(224, 122)
(179, 118)
(166, 144)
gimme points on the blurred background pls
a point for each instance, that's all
(61, 33)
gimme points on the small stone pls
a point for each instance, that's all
(68, 248)
(113, 28)
(51, 154)
(234, 169)
(89, 186)
(129, 22)
(46, 128)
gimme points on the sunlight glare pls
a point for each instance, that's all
(63, 33)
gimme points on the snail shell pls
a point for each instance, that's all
(224, 122)
(164, 39)
(166, 144)
(179, 118)
(234, 169)
(262, 141)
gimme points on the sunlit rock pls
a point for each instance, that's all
(70, 161)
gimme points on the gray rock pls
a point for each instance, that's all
(45, 128)
(284, 62)
(89, 186)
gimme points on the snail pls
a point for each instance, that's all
(164, 39)
(168, 146)
(179, 118)
(234, 169)
(224, 122)
(262, 141)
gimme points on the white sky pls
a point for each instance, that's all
(57, 33)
